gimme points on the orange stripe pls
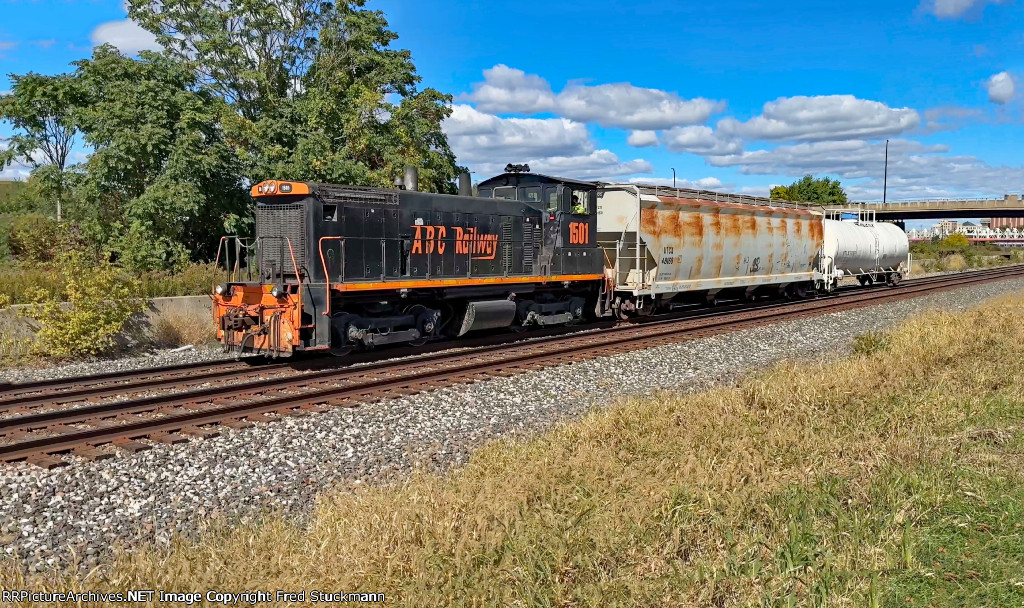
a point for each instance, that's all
(463, 282)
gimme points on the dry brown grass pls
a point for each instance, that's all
(954, 263)
(177, 328)
(811, 484)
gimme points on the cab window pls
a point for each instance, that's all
(579, 202)
(530, 194)
(505, 192)
(551, 198)
(483, 193)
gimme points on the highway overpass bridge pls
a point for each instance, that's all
(1011, 205)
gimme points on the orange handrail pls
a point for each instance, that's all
(323, 262)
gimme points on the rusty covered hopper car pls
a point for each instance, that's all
(672, 245)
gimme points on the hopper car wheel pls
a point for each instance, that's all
(865, 280)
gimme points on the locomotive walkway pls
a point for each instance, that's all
(42, 422)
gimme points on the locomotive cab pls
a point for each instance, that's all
(568, 208)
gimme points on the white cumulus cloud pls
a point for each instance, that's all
(1000, 88)
(477, 136)
(559, 146)
(916, 170)
(699, 139)
(126, 35)
(703, 183)
(823, 117)
(642, 139)
(952, 9)
(508, 90)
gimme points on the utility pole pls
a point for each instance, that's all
(885, 178)
(673, 177)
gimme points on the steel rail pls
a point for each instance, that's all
(80, 388)
(173, 376)
(572, 348)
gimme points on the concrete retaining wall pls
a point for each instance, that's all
(13, 325)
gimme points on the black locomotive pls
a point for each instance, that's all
(338, 267)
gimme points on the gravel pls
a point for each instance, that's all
(76, 514)
(155, 358)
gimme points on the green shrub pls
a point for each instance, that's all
(27, 283)
(98, 300)
(34, 237)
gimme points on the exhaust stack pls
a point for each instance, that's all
(412, 178)
(465, 185)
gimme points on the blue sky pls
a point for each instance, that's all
(735, 95)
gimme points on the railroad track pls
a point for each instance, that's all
(21, 397)
(95, 430)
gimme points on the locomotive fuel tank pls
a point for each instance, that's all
(859, 248)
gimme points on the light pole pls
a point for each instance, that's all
(673, 177)
(885, 176)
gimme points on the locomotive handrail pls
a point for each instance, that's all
(323, 262)
(231, 272)
(711, 195)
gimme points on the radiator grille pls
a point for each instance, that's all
(275, 226)
(506, 246)
(354, 194)
(528, 242)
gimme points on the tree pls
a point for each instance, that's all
(808, 189)
(162, 175)
(312, 87)
(39, 108)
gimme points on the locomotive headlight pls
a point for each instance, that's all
(278, 291)
(223, 289)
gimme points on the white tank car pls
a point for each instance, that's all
(870, 251)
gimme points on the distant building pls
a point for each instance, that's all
(1006, 222)
(948, 226)
(986, 222)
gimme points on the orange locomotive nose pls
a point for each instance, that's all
(250, 318)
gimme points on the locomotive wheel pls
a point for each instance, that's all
(417, 310)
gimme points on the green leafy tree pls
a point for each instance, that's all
(954, 243)
(314, 90)
(808, 189)
(162, 178)
(40, 110)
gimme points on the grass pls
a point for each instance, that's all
(10, 189)
(175, 328)
(891, 478)
(927, 259)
